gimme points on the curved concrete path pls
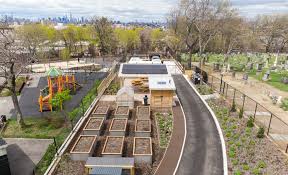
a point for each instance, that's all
(202, 154)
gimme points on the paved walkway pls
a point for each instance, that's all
(171, 157)
(202, 152)
(24, 154)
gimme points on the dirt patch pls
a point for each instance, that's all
(142, 146)
(143, 125)
(113, 145)
(118, 125)
(143, 111)
(101, 109)
(94, 123)
(122, 110)
(84, 144)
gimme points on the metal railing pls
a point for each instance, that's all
(276, 129)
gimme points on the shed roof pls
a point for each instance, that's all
(161, 83)
(106, 171)
(109, 162)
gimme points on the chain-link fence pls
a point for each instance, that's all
(274, 126)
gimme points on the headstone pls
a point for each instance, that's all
(286, 65)
(259, 67)
(250, 66)
(245, 76)
(285, 80)
(216, 66)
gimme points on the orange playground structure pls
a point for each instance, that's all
(57, 82)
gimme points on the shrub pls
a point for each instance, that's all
(284, 104)
(241, 113)
(237, 172)
(256, 171)
(260, 133)
(58, 99)
(250, 122)
(261, 164)
(246, 167)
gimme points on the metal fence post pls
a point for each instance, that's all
(221, 83)
(255, 110)
(269, 124)
(55, 145)
(244, 97)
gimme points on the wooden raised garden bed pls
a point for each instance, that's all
(118, 127)
(83, 148)
(122, 112)
(113, 146)
(142, 150)
(143, 112)
(143, 128)
(93, 126)
(101, 111)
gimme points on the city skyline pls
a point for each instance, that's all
(125, 11)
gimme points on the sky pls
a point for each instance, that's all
(124, 10)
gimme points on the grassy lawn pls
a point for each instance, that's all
(47, 127)
(275, 79)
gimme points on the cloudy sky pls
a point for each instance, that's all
(124, 10)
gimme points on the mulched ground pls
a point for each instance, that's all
(84, 144)
(113, 145)
(94, 123)
(122, 110)
(142, 146)
(118, 125)
(253, 155)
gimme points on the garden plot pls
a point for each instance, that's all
(122, 112)
(83, 148)
(118, 127)
(93, 126)
(142, 150)
(113, 147)
(164, 122)
(143, 112)
(142, 128)
(101, 111)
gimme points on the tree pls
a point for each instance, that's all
(14, 59)
(145, 40)
(128, 39)
(105, 35)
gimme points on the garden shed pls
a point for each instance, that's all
(125, 97)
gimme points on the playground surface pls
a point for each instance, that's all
(202, 151)
(29, 97)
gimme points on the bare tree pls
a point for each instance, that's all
(14, 59)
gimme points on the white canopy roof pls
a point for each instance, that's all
(163, 82)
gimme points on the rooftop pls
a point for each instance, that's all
(135, 70)
(161, 83)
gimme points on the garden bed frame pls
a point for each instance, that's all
(140, 155)
(140, 128)
(117, 131)
(118, 146)
(93, 130)
(100, 113)
(83, 155)
(124, 115)
(140, 114)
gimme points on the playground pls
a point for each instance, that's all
(29, 99)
